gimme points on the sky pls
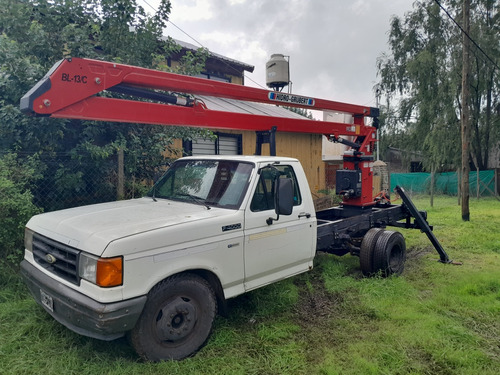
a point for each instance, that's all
(333, 45)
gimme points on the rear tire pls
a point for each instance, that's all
(366, 250)
(389, 255)
(177, 319)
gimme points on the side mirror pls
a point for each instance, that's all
(283, 198)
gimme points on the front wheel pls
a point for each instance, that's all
(177, 319)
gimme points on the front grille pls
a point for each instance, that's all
(57, 258)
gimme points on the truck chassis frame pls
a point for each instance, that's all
(341, 229)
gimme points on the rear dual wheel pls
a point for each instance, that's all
(382, 251)
(367, 249)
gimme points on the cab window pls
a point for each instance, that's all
(263, 197)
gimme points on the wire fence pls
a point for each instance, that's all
(70, 182)
(481, 183)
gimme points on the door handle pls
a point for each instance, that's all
(304, 214)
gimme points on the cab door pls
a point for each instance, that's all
(286, 246)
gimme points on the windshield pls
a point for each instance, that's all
(219, 183)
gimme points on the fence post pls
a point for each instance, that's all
(477, 182)
(433, 181)
(121, 175)
(496, 175)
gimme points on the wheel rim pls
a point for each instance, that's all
(176, 320)
(390, 253)
(395, 258)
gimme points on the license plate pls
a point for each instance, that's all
(47, 300)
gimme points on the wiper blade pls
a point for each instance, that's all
(154, 193)
(194, 198)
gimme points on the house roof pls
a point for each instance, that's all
(237, 106)
(253, 108)
(192, 47)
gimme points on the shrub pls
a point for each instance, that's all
(16, 206)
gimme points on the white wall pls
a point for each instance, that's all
(333, 151)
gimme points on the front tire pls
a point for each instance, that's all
(177, 319)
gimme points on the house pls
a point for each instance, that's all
(403, 161)
(305, 147)
(217, 67)
(332, 152)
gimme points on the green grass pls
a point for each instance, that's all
(434, 319)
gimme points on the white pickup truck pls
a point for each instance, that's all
(159, 268)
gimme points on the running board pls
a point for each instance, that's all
(423, 225)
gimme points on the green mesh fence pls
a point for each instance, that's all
(445, 183)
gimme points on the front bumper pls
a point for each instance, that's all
(79, 313)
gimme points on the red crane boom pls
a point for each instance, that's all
(73, 89)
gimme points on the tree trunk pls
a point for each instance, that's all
(465, 115)
(488, 121)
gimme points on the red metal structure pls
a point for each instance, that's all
(73, 89)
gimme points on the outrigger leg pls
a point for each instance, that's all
(423, 225)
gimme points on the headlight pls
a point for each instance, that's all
(28, 239)
(105, 272)
(87, 268)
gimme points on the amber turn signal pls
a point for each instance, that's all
(109, 272)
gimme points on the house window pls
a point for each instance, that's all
(224, 144)
(214, 77)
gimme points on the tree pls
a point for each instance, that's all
(414, 75)
(421, 79)
(36, 34)
(70, 160)
(16, 205)
(301, 111)
(465, 123)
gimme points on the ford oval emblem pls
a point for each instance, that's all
(50, 258)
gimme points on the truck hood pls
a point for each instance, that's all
(92, 228)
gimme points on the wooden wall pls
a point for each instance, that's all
(305, 147)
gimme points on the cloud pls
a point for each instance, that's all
(333, 44)
(192, 10)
